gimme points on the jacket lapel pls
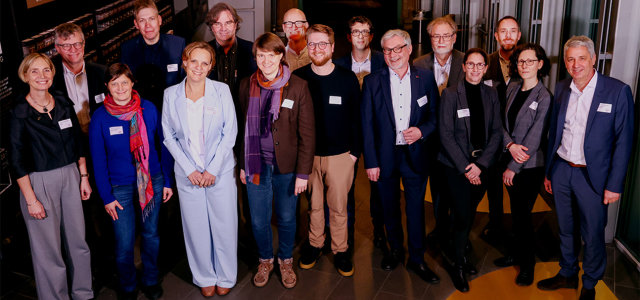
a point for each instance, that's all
(463, 104)
(527, 103)
(181, 108)
(415, 95)
(209, 101)
(511, 96)
(562, 113)
(598, 96)
(386, 93)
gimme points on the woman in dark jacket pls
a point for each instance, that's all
(276, 152)
(524, 131)
(471, 135)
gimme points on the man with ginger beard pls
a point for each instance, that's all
(295, 27)
(335, 93)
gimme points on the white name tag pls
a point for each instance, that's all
(534, 105)
(64, 124)
(115, 130)
(288, 103)
(488, 82)
(210, 110)
(99, 98)
(462, 113)
(604, 107)
(422, 101)
(172, 68)
(335, 100)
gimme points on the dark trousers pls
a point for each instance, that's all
(465, 198)
(572, 189)
(441, 199)
(494, 195)
(414, 188)
(522, 196)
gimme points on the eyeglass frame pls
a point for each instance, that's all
(290, 24)
(226, 24)
(479, 66)
(321, 45)
(67, 47)
(398, 49)
(526, 62)
(444, 37)
(362, 33)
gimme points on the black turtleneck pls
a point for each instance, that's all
(476, 115)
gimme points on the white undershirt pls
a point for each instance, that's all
(195, 118)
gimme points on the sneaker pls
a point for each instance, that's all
(264, 271)
(342, 261)
(289, 278)
(309, 256)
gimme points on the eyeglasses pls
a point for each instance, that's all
(67, 47)
(444, 37)
(321, 45)
(527, 62)
(227, 24)
(363, 33)
(398, 49)
(298, 24)
(479, 66)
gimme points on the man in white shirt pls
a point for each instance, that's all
(295, 27)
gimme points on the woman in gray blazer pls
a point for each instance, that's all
(471, 134)
(525, 116)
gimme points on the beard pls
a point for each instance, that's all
(508, 47)
(321, 61)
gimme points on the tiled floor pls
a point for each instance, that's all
(369, 280)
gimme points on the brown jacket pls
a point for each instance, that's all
(293, 133)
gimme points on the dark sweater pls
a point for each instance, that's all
(476, 114)
(338, 120)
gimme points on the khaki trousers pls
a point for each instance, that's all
(330, 179)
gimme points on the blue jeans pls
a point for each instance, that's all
(261, 196)
(125, 234)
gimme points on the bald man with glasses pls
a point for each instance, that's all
(295, 27)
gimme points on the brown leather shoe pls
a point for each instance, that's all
(222, 291)
(208, 291)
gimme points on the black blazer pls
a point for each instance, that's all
(245, 63)
(494, 73)
(377, 61)
(455, 73)
(95, 82)
(378, 121)
(455, 133)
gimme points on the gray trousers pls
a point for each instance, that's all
(61, 230)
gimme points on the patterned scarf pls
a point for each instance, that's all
(138, 143)
(252, 126)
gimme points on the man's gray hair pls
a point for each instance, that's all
(396, 32)
(578, 41)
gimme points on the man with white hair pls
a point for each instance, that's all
(398, 115)
(590, 141)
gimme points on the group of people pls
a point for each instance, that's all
(266, 122)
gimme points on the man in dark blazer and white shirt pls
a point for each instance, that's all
(590, 142)
(398, 108)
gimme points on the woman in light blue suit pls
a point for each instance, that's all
(200, 127)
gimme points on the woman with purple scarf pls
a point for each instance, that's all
(276, 152)
(131, 181)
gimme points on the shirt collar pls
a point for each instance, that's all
(69, 72)
(448, 63)
(353, 60)
(304, 50)
(406, 75)
(591, 85)
(502, 59)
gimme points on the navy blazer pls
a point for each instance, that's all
(95, 82)
(608, 135)
(378, 121)
(455, 129)
(377, 61)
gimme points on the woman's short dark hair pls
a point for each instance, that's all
(116, 70)
(476, 50)
(270, 42)
(540, 54)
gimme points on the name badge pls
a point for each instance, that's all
(288, 103)
(115, 130)
(99, 98)
(172, 68)
(604, 107)
(64, 124)
(534, 105)
(422, 101)
(210, 110)
(462, 113)
(335, 100)
(488, 82)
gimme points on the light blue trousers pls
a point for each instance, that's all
(210, 224)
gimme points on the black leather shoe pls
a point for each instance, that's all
(379, 239)
(152, 292)
(423, 271)
(459, 278)
(391, 259)
(587, 294)
(469, 268)
(558, 282)
(505, 261)
(525, 277)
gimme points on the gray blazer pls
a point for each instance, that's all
(455, 73)
(530, 125)
(455, 133)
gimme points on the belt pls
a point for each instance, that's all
(576, 165)
(476, 153)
